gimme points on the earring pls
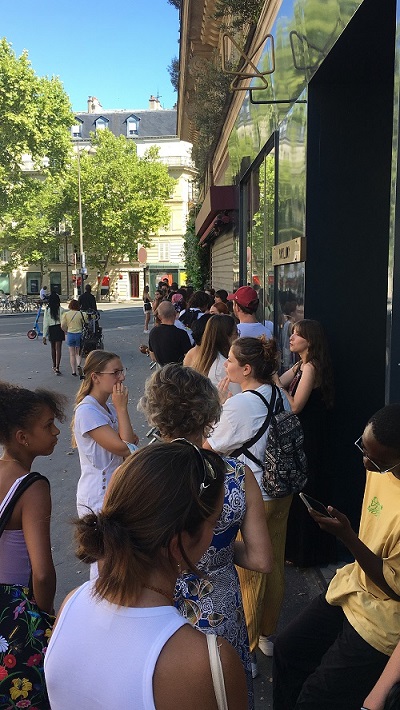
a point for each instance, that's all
(178, 564)
(26, 443)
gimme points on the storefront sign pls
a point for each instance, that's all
(289, 252)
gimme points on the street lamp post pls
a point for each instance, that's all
(82, 253)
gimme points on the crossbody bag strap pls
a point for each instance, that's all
(21, 488)
(244, 449)
(217, 672)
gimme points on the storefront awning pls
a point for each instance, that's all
(219, 199)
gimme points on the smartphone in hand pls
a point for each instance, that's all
(313, 504)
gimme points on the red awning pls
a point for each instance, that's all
(219, 198)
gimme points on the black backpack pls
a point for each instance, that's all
(189, 317)
(285, 464)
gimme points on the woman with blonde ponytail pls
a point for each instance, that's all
(135, 650)
(101, 430)
(253, 363)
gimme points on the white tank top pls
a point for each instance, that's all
(102, 656)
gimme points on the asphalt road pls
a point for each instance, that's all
(28, 363)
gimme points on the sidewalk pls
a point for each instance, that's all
(301, 586)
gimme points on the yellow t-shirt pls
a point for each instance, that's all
(374, 616)
(72, 321)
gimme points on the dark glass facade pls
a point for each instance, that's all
(316, 156)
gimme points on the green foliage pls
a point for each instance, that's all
(123, 198)
(240, 12)
(197, 258)
(173, 71)
(35, 120)
(209, 105)
(28, 231)
(123, 203)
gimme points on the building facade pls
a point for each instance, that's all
(125, 281)
(308, 154)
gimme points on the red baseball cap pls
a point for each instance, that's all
(244, 296)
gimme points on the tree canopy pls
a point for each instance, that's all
(36, 118)
(123, 198)
(123, 204)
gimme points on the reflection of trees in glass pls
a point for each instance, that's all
(261, 231)
(318, 23)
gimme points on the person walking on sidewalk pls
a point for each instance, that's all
(331, 655)
(52, 329)
(147, 309)
(72, 323)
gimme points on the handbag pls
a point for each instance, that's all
(25, 629)
(217, 672)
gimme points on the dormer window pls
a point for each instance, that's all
(101, 123)
(132, 126)
(76, 130)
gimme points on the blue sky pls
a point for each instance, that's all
(116, 52)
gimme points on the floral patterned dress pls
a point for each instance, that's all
(213, 603)
(24, 635)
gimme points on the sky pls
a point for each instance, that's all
(116, 52)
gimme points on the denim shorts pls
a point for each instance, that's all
(74, 340)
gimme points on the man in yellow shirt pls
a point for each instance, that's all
(331, 655)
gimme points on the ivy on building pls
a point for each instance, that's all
(239, 12)
(197, 258)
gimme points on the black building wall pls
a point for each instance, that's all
(349, 152)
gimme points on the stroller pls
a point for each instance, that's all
(92, 333)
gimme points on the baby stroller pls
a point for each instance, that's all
(92, 333)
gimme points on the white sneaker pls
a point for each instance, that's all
(254, 666)
(145, 331)
(266, 646)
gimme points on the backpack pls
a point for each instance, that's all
(189, 317)
(285, 463)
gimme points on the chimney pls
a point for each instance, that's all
(94, 105)
(154, 103)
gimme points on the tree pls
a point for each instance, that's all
(35, 120)
(123, 199)
(28, 232)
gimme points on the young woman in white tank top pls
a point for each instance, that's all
(119, 642)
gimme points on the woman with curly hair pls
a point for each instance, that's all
(27, 574)
(182, 403)
(309, 388)
(252, 363)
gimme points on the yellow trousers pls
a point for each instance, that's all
(263, 593)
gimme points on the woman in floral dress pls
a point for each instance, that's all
(183, 404)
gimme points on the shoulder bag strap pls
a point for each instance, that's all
(217, 672)
(244, 449)
(24, 484)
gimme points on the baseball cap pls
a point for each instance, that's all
(244, 296)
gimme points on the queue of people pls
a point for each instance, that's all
(186, 548)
